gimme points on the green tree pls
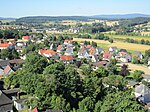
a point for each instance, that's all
(135, 60)
(86, 105)
(35, 63)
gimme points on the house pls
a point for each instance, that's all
(60, 48)
(100, 50)
(6, 104)
(88, 47)
(113, 49)
(124, 57)
(20, 46)
(26, 38)
(19, 104)
(5, 45)
(107, 56)
(142, 93)
(66, 59)
(69, 51)
(8, 70)
(122, 50)
(146, 77)
(83, 53)
(15, 63)
(132, 84)
(13, 94)
(4, 63)
(138, 55)
(48, 53)
(93, 51)
(96, 65)
(68, 42)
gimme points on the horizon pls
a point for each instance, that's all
(74, 15)
(25, 8)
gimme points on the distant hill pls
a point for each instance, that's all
(44, 19)
(121, 16)
(1, 18)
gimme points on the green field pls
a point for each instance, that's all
(126, 36)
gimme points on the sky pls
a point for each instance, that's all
(22, 8)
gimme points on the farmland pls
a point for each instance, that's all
(128, 46)
(126, 36)
(134, 67)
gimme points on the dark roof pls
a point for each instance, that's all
(4, 99)
(16, 61)
(132, 83)
(4, 63)
(20, 100)
(11, 91)
(100, 63)
(122, 50)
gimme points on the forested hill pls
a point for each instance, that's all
(43, 19)
(131, 18)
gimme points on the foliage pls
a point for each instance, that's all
(35, 63)
(124, 70)
(9, 53)
(115, 81)
(136, 75)
(120, 101)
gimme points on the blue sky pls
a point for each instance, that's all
(21, 8)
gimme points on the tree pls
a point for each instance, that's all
(111, 40)
(35, 63)
(135, 60)
(142, 41)
(136, 75)
(86, 69)
(59, 103)
(124, 70)
(100, 72)
(116, 81)
(146, 56)
(9, 54)
(94, 44)
(86, 105)
(121, 101)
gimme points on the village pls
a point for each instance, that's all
(69, 52)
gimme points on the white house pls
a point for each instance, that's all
(142, 93)
(19, 104)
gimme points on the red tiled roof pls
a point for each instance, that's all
(7, 69)
(122, 53)
(66, 58)
(107, 55)
(6, 44)
(26, 37)
(45, 51)
(92, 51)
